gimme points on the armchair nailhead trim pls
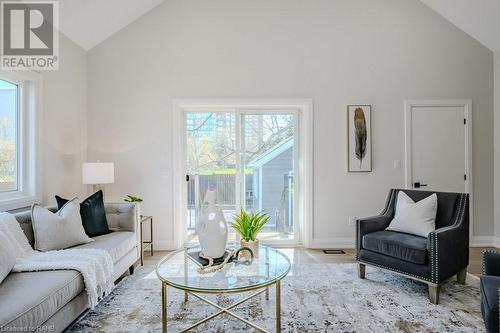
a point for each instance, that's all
(398, 271)
(432, 259)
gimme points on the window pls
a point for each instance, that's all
(18, 139)
(9, 139)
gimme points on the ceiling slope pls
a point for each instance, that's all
(89, 22)
(478, 18)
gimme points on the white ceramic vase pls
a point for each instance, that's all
(212, 228)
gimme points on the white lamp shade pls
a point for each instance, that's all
(98, 173)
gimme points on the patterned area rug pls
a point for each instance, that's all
(315, 298)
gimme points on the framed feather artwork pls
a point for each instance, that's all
(359, 132)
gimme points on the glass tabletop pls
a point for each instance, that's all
(180, 271)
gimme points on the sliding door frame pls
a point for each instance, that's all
(303, 157)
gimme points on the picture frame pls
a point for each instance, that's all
(359, 145)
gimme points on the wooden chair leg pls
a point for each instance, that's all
(434, 293)
(461, 276)
(361, 270)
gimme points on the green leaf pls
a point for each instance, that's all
(131, 198)
(249, 225)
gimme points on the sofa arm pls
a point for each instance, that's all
(371, 224)
(122, 216)
(491, 263)
(368, 225)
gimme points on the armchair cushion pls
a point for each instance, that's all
(398, 245)
(489, 301)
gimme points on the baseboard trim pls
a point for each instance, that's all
(349, 242)
(164, 245)
(341, 243)
(333, 243)
(485, 241)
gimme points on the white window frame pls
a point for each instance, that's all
(28, 136)
(304, 187)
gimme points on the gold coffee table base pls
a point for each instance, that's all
(223, 310)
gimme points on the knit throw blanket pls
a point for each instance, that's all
(95, 265)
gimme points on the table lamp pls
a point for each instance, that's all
(98, 174)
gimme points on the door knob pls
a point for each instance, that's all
(419, 185)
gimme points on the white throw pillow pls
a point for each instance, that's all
(7, 256)
(416, 218)
(12, 229)
(56, 231)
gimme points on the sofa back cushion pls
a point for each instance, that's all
(446, 208)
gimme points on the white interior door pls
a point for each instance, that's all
(437, 146)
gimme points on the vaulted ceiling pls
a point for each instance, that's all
(478, 18)
(89, 22)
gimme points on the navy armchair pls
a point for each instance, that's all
(432, 259)
(490, 286)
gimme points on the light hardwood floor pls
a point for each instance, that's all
(302, 256)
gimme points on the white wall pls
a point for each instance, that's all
(497, 148)
(336, 52)
(64, 141)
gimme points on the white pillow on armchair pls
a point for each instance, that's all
(416, 218)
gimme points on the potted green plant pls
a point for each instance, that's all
(132, 198)
(137, 201)
(248, 225)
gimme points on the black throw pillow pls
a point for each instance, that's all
(92, 213)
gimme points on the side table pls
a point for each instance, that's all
(149, 243)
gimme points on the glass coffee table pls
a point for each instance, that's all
(179, 271)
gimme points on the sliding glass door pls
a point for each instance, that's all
(246, 159)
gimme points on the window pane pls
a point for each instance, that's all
(268, 147)
(211, 165)
(8, 136)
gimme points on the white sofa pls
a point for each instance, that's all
(52, 300)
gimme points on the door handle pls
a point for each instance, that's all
(419, 185)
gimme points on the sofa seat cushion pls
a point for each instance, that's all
(398, 245)
(28, 299)
(489, 301)
(117, 243)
